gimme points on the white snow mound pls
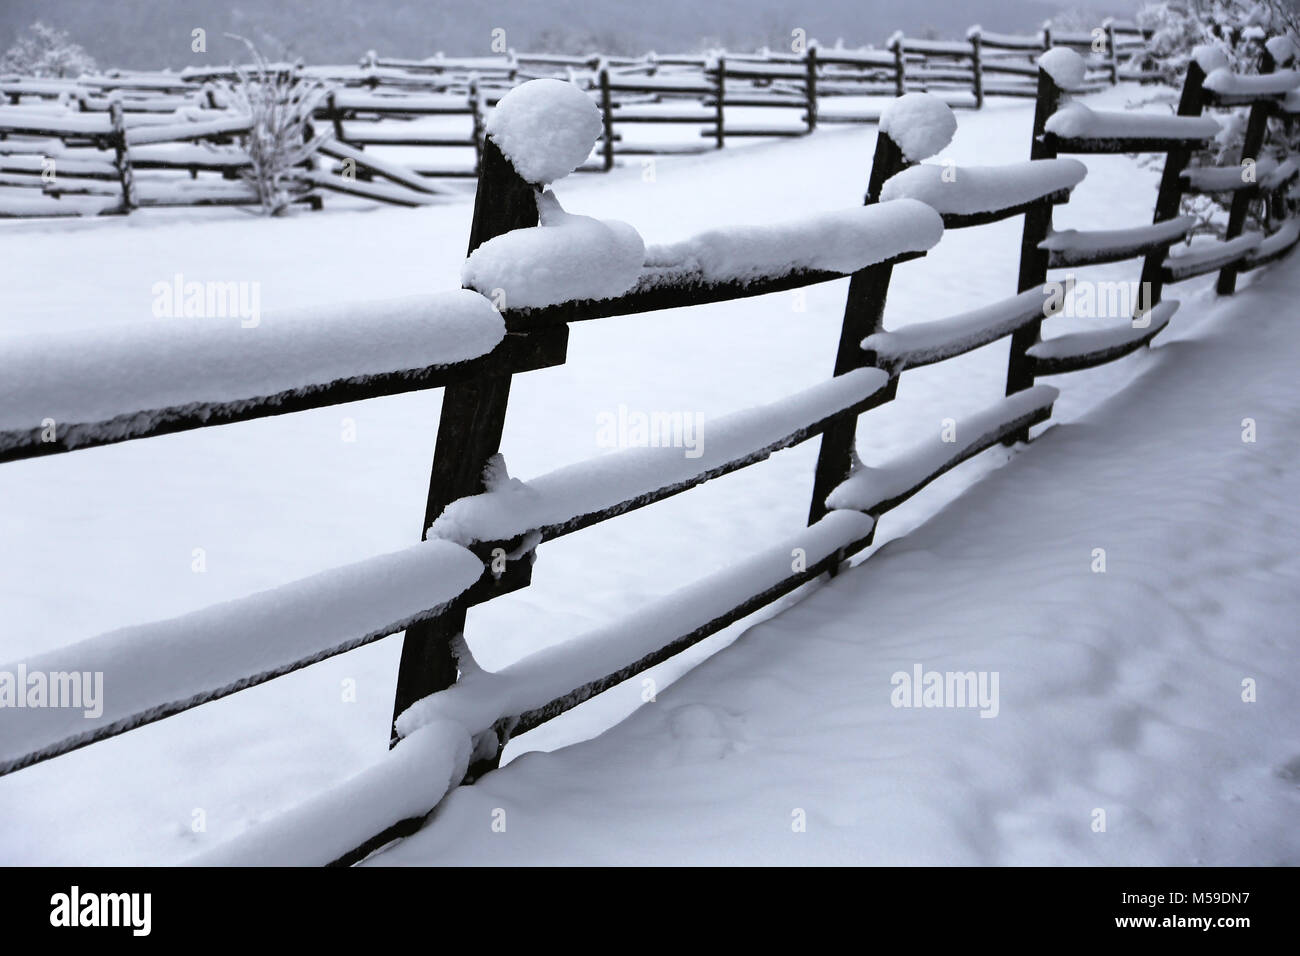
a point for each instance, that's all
(546, 128)
(976, 189)
(844, 240)
(1281, 49)
(1210, 57)
(565, 258)
(1064, 66)
(919, 123)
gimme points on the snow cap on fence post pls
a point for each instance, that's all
(1210, 57)
(1064, 66)
(546, 129)
(920, 124)
(1281, 49)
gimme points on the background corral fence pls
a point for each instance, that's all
(451, 719)
(79, 146)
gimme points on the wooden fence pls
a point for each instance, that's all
(174, 126)
(451, 721)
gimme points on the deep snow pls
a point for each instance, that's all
(105, 538)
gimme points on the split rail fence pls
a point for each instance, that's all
(452, 720)
(79, 146)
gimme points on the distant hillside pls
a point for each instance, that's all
(156, 33)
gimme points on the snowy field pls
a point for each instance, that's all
(1114, 706)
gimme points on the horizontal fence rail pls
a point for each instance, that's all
(481, 535)
(108, 127)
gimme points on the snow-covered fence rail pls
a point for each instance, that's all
(544, 270)
(437, 105)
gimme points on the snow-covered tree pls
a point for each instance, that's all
(42, 50)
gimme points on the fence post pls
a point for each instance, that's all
(371, 66)
(720, 95)
(314, 199)
(1256, 128)
(469, 433)
(977, 69)
(336, 117)
(810, 86)
(122, 156)
(607, 115)
(1047, 35)
(476, 119)
(1113, 52)
(1033, 260)
(900, 65)
(864, 311)
(1170, 193)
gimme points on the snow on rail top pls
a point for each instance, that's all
(554, 499)
(927, 342)
(1099, 340)
(1075, 240)
(1287, 235)
(436, 747)
(220, 647)
(1227, 177)
(975, 189)
(1224, 81)
(842, 241)
(565, 258)
(1078, 121)
(1208, 249)
(869, 487)
(96, 374)
(403, 784)
(546, 128)
(479, 699)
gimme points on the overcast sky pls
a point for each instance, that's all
(157, 33)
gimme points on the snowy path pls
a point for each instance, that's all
(104, 538)
(1119, 691)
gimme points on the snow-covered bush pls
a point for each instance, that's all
(42, 50)
(281, 102)
(1234, 32)
(1238, 27)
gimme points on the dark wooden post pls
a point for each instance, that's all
(469, 433)
(314, 199)
(607, 115)
(335, 117)
(1047, 36)
(900, 65)
(1170, 194)
(1112, 52)
(1033, 260)
(122, 156)
(810, 87)
(720, 95)
(977, 70)
(864, 311)
(476, 119)
(1256, 128)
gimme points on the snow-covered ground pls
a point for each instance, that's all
(104, 538)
